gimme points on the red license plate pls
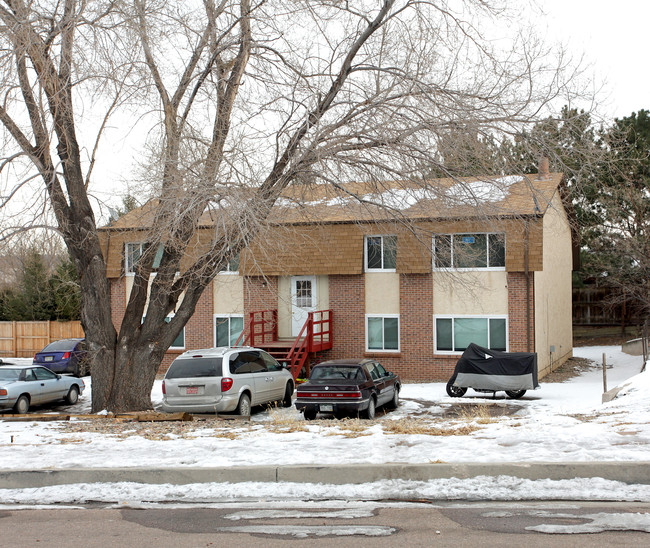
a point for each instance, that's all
(192, 390)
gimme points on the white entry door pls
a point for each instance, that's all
(303, 301)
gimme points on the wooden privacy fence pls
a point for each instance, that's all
(24, 339)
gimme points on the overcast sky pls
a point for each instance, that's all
(614, 38)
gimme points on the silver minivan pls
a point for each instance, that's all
(218, 380)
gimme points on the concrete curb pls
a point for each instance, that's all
(626, 472)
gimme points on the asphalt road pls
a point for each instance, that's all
(332, 523)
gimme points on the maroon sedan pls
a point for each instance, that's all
(348, 387)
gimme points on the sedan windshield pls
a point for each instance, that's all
(337, 372)
(9, 374)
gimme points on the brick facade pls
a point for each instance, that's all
(416, 361)
(521, 333)
(348, 304)
(260, 293)
(118, 301)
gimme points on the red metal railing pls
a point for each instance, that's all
(316, 335)
(262, 328)
(321, 334)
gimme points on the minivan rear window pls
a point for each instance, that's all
(188, 368)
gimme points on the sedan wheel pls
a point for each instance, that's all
(73, 395)
(370, 412)
(310, 414)
(22, 405)
(244, 406)
(394, 404)
(81, 369)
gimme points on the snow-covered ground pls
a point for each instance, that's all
(559, 422)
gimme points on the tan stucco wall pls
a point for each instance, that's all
(382, 292)
(129, 286)
(553, 315)
(478, 292)
(228, 292)
(284, 301)
(284, 306)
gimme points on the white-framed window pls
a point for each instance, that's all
(232, 267)
(382, 332)
(473, 251)
(134, 250)
(380, 253)
(453, 334)
(179, 341)
(227, 329)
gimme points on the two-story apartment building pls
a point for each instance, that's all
(405, 274)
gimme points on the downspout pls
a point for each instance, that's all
(527, 274)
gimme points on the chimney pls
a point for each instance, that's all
(542, 168)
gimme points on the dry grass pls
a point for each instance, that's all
(283, 423)
(477, 413)
(65, 441)
(350, 428)
(426, 428)
(468, 420)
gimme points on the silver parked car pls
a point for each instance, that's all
(217, 380)
(24, 385)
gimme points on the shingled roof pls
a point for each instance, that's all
(436, 199)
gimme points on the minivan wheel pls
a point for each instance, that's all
(244, 406)
(288, 392)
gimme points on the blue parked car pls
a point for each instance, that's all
(64, 356)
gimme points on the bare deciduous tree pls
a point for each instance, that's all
(246, 98)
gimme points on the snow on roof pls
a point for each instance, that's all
(482, 190)
(360, 201)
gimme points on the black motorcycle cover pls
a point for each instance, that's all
(485, 369)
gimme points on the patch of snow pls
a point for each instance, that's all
(483, 191)
(559, 422)
(499, 488)
(598, 523)
(299, 514)
(305, 531)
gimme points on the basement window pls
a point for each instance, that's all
(382, 333)
(227, 329)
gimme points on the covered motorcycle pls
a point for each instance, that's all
(487, 370)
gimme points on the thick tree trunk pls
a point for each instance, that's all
(135, 369)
